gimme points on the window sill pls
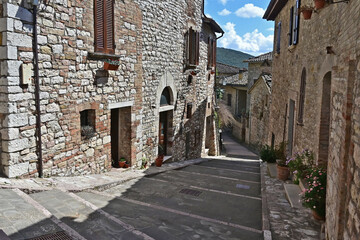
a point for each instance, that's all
(300, 123)
(101, 56)
(190, 66)
(291, 48)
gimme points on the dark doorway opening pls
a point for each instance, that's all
(121, 134)
(163, 132)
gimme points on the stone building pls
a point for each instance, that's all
(259, 110)
(316, 99)
(109, 79)
(258, 98)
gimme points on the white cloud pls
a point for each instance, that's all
(250, 11)
(254, 43)
(224, 12)
(223, 2)
(270, 29)
(208, 15)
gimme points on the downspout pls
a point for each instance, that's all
(37, 91)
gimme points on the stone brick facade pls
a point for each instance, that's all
(150, 46)
(259, 111)
(327, 54)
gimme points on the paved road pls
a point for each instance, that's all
(217, 199)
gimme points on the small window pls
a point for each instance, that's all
(104, 26)
(278, 38)
(192, 40)
(165, 97)
(302, 96)
(211, 53)
(189, 110)
(209, 105)
(294, 24)
(229, 99)
(87, 121)
(190, 79)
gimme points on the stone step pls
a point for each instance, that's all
(81, 217)
(272, 170)
(292, 192)
(21, 220)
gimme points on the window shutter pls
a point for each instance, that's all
(214, 53)
(191, 47)
(99, 25)
(109, 25)
(291, 25)
(209, 53)
(302, 96)
(197, 48)
(297, 23)
(187, 47)
(278, 39)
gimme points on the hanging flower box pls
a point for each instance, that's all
(111, 64)
(319, 4)
(307, 12)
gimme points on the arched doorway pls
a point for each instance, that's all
(166, 122)
(324, 134)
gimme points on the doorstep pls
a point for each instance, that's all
(272, 170)
(292, 192)
(167, 158)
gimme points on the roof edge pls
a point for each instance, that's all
(273, 9)
(213, 24)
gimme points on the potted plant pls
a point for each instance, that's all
(267, 154)
(283, 171)
(300, 163)
(111, 64)
(314, 197)
(319, 4)
(122, 162)
(160, 157)
(306, 11)
(144, 163)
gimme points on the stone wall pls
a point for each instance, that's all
(259, 113)
(328, 44)
(150, 44)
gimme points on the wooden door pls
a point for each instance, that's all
(163, 131)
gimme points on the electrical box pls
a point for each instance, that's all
(26, 70)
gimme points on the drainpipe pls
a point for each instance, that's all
(35, 3)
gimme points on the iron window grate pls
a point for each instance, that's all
(190, 192)
(54, 236)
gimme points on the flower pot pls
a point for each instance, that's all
(319, 4)
(307, 14)
(283, 173)
(317, 216)
(122, 164)
(126, 165)
(108, 66)
(159, 161)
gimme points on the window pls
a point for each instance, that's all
(192, 39)
(211, 53)
(104, 26)
(229, 99)
(278, 38)
(165, 97)
(294, 24)
(302, 96)
(87, 121)
(189, 110)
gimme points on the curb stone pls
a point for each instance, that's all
(265, 211)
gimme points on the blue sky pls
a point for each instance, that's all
(245, 30)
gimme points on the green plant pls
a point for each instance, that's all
(300, 164)
(144, 162)
(268, 154)
(280, 151)
(314, 197)
(122, 159)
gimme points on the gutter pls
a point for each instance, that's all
(37, 91)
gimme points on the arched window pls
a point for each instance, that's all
(302, 96)
(165, 97)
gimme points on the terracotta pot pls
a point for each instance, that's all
(122, 164)
(317, 216)
(159, 161)
(126, 165)
(307, 14)
(319, 4)
(283, 173)
(108, 66)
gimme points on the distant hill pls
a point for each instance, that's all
(232, 57)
